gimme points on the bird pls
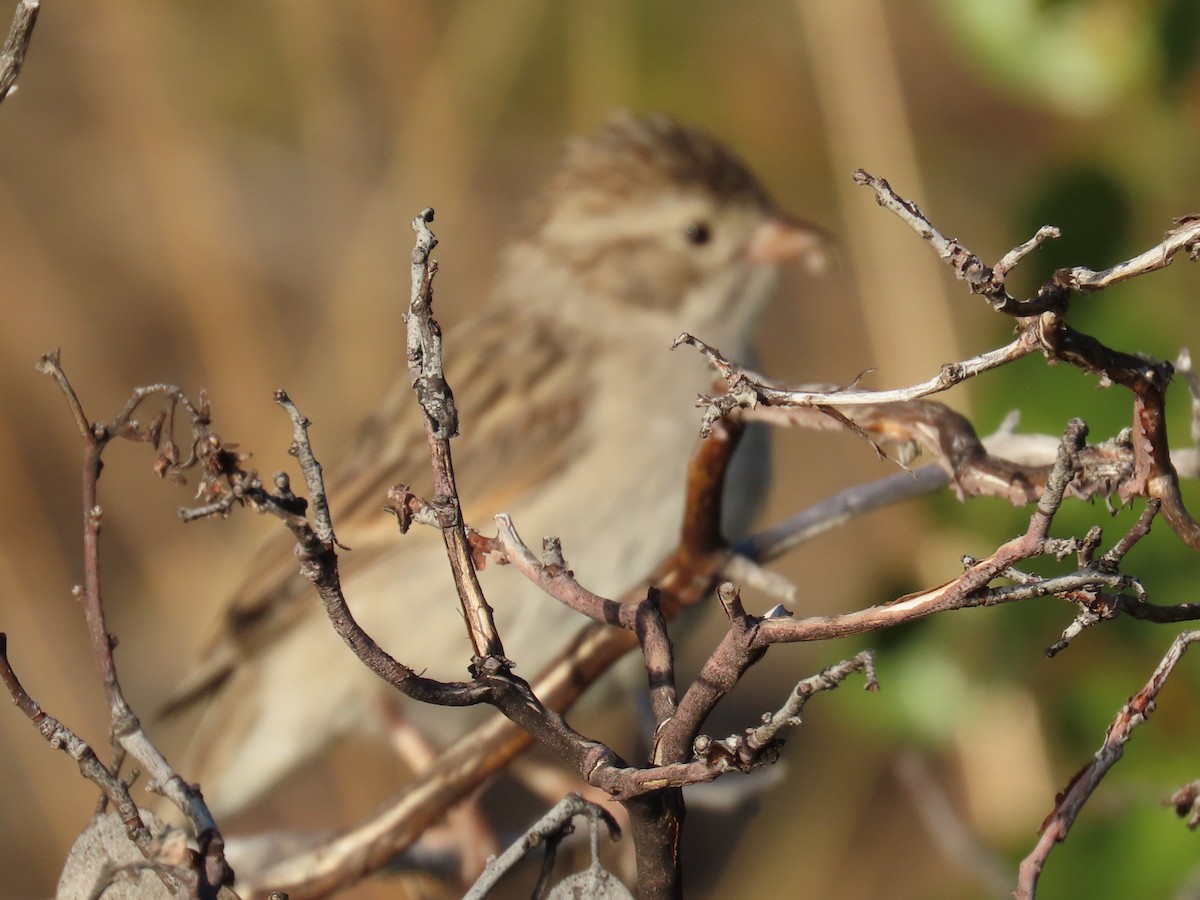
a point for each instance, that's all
(576, 420)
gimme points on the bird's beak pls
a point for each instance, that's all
(781, 239)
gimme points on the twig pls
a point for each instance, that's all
(1079, 470)
(955, 594)
(839, 509)
(550, 828)
(1156, 476)
(12, 54)
(745, 392)
(319, 564)
(1009, 260)
(643, 618)
(60, 737)
(788, 715)
(302, 450)
(126, 729)
(441, 424)
(1184, 236)
(989, 282)
(1041, 324)
(1069, 803)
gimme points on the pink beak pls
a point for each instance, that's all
(781, 239)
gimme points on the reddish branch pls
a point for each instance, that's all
(684, 579)
(989, 282)
(1043, 319)
(126, 731)
(681, 754)
(650, 793)
(1068, 803)
(1135, 465)
(1143, 469)
(319, 564)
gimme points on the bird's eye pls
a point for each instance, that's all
(698, 233)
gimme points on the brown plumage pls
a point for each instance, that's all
(576, 420)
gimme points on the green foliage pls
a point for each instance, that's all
(1089, 205)
(1078, 58)
(1178, 33)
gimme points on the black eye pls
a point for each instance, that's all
(698, 233)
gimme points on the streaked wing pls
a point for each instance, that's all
(506, 374)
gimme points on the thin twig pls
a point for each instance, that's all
(301, 448)
(1184, 236)
(441, 424)
(1069, 803)
(553, 824)
(60, 737)
(12, 55)
(126, 729)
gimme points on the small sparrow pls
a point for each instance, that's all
(576, 420)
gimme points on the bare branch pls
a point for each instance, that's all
(60, 737)
(302, 450)
(49, 365)
(1041, 325)
(12, 54)
(1132, 465)
(989, 282)
(788, 715)
(1184, 236)
(744, 391)
(1009, 260)
(549, 829)
(644, 618)
(441, 424)
(980, 278)
(1069, 803)
(126, 729)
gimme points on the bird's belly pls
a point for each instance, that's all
(614, 529)
(617, 509)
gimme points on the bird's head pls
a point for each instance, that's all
(656, 224)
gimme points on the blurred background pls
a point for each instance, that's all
(218, 195)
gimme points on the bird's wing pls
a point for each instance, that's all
(516, 419)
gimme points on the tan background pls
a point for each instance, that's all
(218, 195)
